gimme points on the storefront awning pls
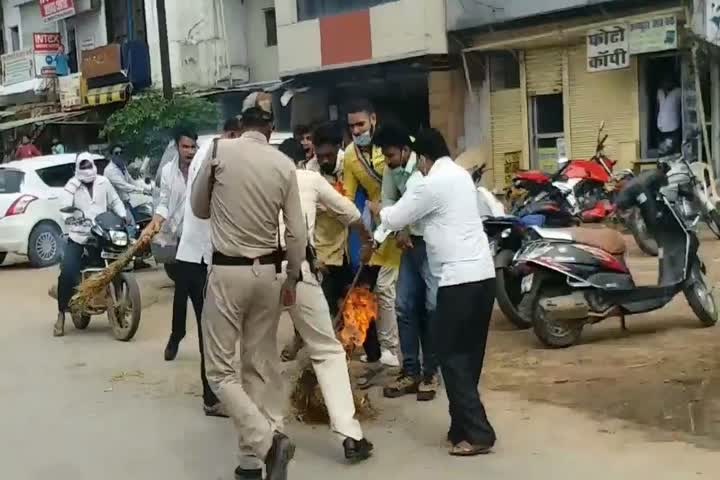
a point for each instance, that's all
(42, 119)
(110, 94)
(35, 85)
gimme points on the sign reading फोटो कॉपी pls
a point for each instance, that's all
(608, 48)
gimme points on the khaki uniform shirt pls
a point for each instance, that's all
(242, 191)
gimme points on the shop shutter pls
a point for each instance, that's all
(506, 118)
(610, 96)
(543, 69)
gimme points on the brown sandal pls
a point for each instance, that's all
(464, 449)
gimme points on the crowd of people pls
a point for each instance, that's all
(259, 230)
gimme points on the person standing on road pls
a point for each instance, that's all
(363, 168)
(169, 216)
(92, 194)
(312, 320)
(417, 286)
(459, 255)
(26, 149)
(242, 187)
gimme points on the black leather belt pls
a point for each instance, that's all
(226, 261)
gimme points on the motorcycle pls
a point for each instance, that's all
(109, 239)
(577, 279)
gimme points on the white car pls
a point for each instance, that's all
(31, 193)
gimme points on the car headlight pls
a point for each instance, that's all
(119, 239)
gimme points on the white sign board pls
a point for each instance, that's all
(712, 21)
(655, 34)
(608, 48)
(17, 67)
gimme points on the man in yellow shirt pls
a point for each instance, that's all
(364, 168)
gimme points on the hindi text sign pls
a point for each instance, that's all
(607, 48)
(54, 10)
(653, 35)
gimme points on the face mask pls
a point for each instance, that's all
(87, 176)
(363, 140)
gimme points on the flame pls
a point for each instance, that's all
(361, 309)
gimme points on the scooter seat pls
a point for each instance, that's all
(605, 239)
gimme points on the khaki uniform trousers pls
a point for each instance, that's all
(240, 325)
(311, 317)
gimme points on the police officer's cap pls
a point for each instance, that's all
(256, 115)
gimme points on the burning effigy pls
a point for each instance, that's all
(359, 310)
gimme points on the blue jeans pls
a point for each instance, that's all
(415, 305)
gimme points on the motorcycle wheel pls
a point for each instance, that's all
(509, 296)
(554, 334)
(701, 298)
(80, 320)
(124, 317)
(636, 224)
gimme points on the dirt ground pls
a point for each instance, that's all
(664, 372)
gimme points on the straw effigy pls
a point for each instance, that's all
(94, 287)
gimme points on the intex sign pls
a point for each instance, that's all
(54, 10)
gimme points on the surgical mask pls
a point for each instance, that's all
(87, 175)
(364, 139)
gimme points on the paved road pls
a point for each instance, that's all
(86, 407)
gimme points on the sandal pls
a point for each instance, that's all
(464, 449)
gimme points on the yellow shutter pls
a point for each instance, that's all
(544, 71)
(610, 96)
(506, 117)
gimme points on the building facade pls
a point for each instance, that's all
(541, 77)
(393, 52)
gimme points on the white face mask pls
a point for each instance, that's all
(87, 176)
(363, 140)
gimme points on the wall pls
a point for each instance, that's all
(467, 14)
(262, 59)
(90, 29)
(391, 31)
(196, 35)
(11, 18)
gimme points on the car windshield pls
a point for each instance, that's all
(10, 180)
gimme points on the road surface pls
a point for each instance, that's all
(85, 407)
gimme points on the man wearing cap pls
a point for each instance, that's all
(242, 187)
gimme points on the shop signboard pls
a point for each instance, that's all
(608, 48)
(54, 10)
(101, 61)
(17, 67)
(655, 34)
(46, 46)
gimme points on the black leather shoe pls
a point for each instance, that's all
(171, 350)
(241, 474)
(357, 450)
(278, 458)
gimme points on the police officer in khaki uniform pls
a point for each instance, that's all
(242, 188)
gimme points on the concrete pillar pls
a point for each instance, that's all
(447, 106)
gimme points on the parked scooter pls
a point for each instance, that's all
(581, 278)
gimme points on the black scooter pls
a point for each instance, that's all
(567, 284)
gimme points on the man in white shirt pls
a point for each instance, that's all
(93, 194)
(417, 286)
(117, 172)
(669, 122)
(445, 201)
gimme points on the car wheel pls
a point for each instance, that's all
(2, 257)
(45, 247)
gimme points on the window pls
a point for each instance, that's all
(308, 9)
(15, 38)
(270, 27)
(548, 130)
(57, 176)
(10, 180)
(504, 71)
